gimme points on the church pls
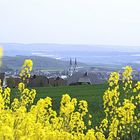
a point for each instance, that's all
(76, 77)
(72, 68)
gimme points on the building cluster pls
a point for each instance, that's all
(72, 76)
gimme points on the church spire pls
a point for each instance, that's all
(70, 71)
(75, 62)
(70, 62)
(75, 65)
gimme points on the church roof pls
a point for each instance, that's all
(84, 80)
(90, 77)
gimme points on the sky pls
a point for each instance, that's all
(102, 22)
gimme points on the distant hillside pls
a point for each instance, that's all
(94, 55)
(41, 63)
(5, 68)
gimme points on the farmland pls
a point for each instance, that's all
(111, 111)
(91, 93)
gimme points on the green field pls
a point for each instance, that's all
(91, 93)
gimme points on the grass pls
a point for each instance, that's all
(91, 93)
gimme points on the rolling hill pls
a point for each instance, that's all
(40, 63)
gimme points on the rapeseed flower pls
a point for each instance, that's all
(22, 119)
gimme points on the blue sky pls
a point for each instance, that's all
(109, 22)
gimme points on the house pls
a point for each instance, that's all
(17, 80)
(84, 79)
(13, 82)
(57, 81)
(79, 78)
(38, 81)
(51, 81)
(60, 82)
(3, 80)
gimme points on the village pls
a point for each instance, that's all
(74, 75)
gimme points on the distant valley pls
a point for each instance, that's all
(58, 55)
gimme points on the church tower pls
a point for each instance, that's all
(75, 65)
(70, 71)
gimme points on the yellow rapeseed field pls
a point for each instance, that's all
(21, 120)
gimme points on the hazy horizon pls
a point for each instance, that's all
(72, 47)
